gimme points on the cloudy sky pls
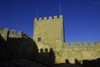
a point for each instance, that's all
(81, 17)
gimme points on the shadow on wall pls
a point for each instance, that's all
(16, 48)
(2, 47)
(2, 41)
(76, 62)
(67, 61)
(91, 63)
(48, 57)
(23, 48)
(86, 63)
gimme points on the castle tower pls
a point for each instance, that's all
(49, 32)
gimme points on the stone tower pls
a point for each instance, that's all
(49, 33)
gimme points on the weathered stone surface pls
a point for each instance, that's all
(51, 34)
(47, 44)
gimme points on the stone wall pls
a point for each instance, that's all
(22, 46)
(49, 33)
(14, 46)
(6, 34)
(78, 52)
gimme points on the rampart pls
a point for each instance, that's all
(49, 33)
(48, 40)
(78, 44)
(79, 52)
(5, 34)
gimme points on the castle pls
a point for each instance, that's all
(49, 33)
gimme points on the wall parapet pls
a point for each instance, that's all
(44, 50)
(5, 34)
(50, 18)
(78, 44)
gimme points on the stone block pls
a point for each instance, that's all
(91, 44)
(20, 33)
(40, 18)
(45, 18)
(6, 29)
(35, 19)
(72, 44)
(60, 16)
(50, 17)
(84, 44)
(97, 43)
(55, 17)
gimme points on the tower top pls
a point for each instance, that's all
(50, 17)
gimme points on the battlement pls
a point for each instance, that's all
(5, 34)
(50, 18)
(5, 29)
(78, 44)
(45, 50)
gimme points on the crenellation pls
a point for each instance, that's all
(65, 44)
(78, 43)
(72, 44)
(45, 18)
(52, 31)
(5, 34)
(60, 17)
(44, 50)
(84, 44)
(35, 19)
(6, 29)
(40, 18)
(97, 43)
(50, 18)
(20, 33)
(91, 44)
(24, 34)
(55, 17)
(49, 38)
(13, 31)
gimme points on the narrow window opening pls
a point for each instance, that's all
(41, 50)
(39, 39)
(46, 50)
(12, 31)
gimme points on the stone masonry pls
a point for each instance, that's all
(49, 37)
(49, 33)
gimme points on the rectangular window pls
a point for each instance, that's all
(39, 39)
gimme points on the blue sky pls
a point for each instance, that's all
(81, 17)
